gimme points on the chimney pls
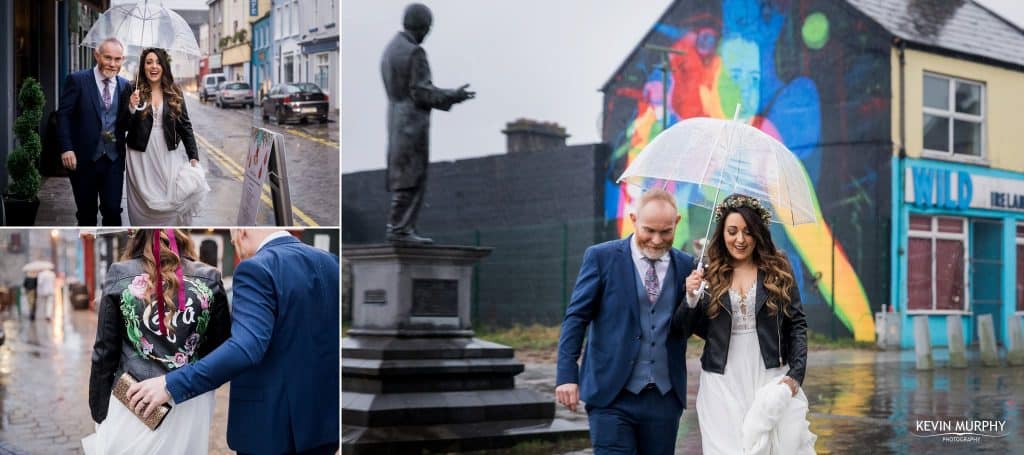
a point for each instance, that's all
(525, 135)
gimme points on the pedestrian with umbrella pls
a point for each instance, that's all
(746, 304)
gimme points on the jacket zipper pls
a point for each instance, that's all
(778, 327)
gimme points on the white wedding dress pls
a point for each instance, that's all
(163, 189)
(725, 401)
(185, 430)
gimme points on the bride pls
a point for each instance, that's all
(165, 187)
(134, 336)
(753, 326)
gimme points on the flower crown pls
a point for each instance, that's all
(738, 200)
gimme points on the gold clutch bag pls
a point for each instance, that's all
(121, 393)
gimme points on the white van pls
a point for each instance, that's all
(208, 88)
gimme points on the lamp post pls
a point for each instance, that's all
(665, 70)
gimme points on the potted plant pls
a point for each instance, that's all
(21, 202)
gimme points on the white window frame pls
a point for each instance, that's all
(1020, 241)
(951, 114)
(933, 234)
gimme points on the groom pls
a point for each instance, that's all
(282, 357)
(633, 377)
(92, 137)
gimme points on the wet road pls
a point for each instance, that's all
(44, 385)
(312, 161)
(870, 402)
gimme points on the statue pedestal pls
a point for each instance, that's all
(414, 377)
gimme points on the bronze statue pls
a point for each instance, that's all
(411, 97)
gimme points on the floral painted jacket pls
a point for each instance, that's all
(128, 337)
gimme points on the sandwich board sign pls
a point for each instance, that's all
(265, 163)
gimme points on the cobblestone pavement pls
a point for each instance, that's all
(44, 386)
(312, 160)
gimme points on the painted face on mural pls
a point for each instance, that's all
(738, 239)
(742, 61)
(655, 228)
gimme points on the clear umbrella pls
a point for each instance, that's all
(724, 157)
(37, 266)
(718, 157)
(144, 25)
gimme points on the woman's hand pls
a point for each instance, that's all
(793, 386)
(693, 281)
(135, 98)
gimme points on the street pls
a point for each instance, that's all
(311, 151)
(44, 385)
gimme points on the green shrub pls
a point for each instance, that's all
(22, 164)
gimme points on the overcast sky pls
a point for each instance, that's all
(540, 59)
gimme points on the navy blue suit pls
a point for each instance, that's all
(79, 128)
(605, 300)
(282, 357)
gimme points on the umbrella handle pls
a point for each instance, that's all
(703, 283)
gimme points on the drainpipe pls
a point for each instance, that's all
(897, 236)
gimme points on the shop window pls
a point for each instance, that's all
(954, 117)
(936, 264)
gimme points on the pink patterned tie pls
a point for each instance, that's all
(106, 93)
(651, 281)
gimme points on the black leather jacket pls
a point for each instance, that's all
(127, 338)
(783, 339)
(175, 130)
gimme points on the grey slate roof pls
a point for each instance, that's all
(961, 26)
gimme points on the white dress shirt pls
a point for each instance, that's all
(99, 83)
(272, 237)
(642, 265)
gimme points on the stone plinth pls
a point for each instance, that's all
(413, 376)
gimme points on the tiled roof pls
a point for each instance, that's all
(962, 26)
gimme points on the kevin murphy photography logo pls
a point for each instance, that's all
(959, 429)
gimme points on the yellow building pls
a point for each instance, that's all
(236, 31)
(957, 245)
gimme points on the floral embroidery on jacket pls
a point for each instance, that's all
(135, 295)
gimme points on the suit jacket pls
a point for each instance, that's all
(411, 96)
(605, 299)
(175, 131)
(282, 357)
(81, 111)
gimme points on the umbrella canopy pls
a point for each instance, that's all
(37, 266)
(723, 157)
(144, 25)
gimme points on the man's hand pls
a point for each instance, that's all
(148, 395)
(194, 163)
(568, 395)
(69, 161)
(793, 386)
(134, 98)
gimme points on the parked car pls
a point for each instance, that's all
(298, 101)
(234, 93)
(208, 86)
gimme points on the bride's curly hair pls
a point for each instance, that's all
(778, 280)
(140, 246)
(173, 98)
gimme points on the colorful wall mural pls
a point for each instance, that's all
(813, 74)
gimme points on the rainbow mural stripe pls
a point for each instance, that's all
(790, 64)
